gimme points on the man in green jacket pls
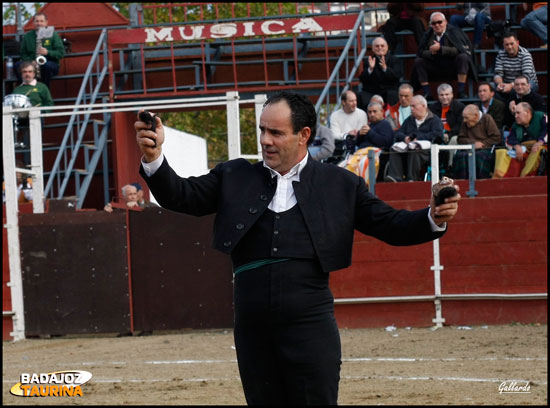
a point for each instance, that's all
(39, 95)
(51, 48)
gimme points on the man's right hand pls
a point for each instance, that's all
(146, 139)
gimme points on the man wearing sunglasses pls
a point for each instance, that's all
(444, 48)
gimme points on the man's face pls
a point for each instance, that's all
(521, 86)
(375, 113)
(445, 97)
(522, 115)
(27, 74)
(40, 22)
(470, 118)
(379, 47)
(282, 149)
(405, 96)
(439, 24)
(131, 194)
(511, 46)
(484, 93)
(418, 110)
(350, 103)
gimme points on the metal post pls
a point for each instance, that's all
(259, 101)
(434, 152)
(12, 225)
(35, 127)
(233, 126)
(372, 171)
(472, 172)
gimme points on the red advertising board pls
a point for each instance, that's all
(196, 32)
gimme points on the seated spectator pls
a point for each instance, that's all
(422, 125)
(522, 92)
(129, 195)
(476, 15)
(379, 132)
(24, 187)
(385, 106)
(444, 50)
(403, 16)
(448, 110)
(399, 112)
(512, 62)
(51, 48)
(527, 139)
(381, 74)
(481, 131)
(349, 119)
(489, 105)
(537, 21)
(322, 146)
(141, 201)
(38, 93)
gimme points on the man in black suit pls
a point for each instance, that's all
(286, 222)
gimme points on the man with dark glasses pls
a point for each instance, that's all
(444, 48)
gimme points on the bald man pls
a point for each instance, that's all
(380, 76)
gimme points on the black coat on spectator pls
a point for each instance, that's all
(497, 110)
(456, 38)
(431, 129)
(378, 80)
(454, 115)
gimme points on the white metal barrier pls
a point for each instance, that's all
(231, 100)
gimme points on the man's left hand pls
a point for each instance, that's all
(43, 51)
(445, 212)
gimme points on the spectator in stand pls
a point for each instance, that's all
(421, 125)
(481, 131)
(449, 110)
(523, 93)
(141, 201)
(322, 146)
(385, 106)
(489, 105)
(537, 21)
(381, 74)
(36, 91)
(399, 112)
(129, 195)
(52, 48)
(475, 14)
(444, 49)
(403, 16)
(349, 119)
(379, 131)
(527, 139)
(24, 187)
(512, 62)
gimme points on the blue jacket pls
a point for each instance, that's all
(379, 135)
(431, 129)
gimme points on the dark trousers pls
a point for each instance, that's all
(440, 67)
(390, 96)
(286, 337)
(412, 161)
(395, 24)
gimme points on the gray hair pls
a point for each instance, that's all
(420, 98)
(408, 86)
(375, 103)
(471, 108)
(125, 187)
(444, 87)
(435, 13)
(378, 98)
(526, 106)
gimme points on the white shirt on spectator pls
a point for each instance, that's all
(341, 123)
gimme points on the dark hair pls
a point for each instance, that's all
(508, 34)
(41, 14)
(302, 111)
(523, 77)
(137, 186)
(488, 84)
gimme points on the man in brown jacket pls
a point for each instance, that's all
(481, 131)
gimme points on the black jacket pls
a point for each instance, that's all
(431, 129)
(333, 201)
(378, 79)
(455, 39)
(454, 115)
